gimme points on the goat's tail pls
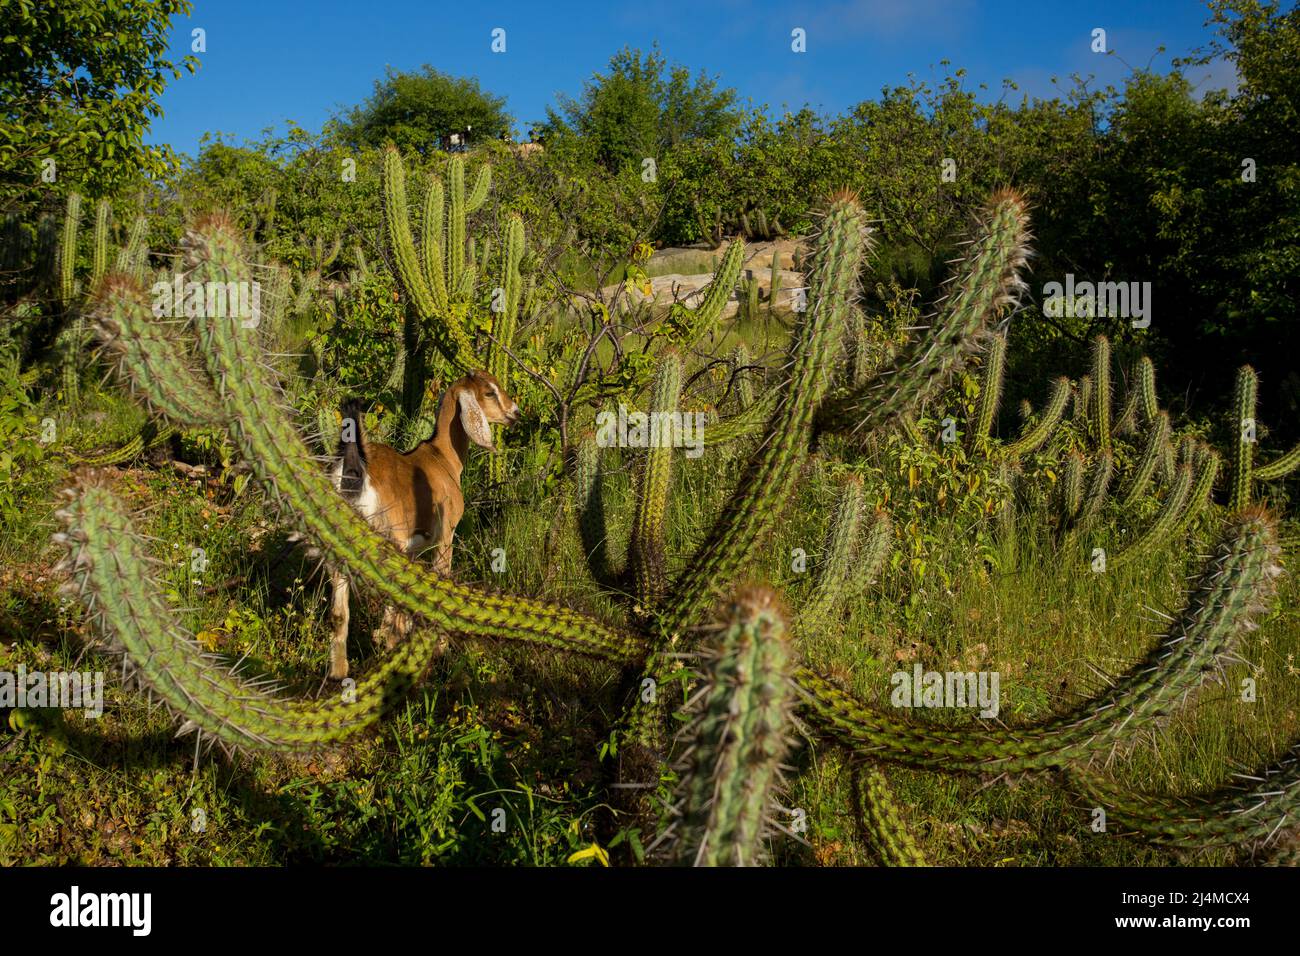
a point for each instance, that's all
(352, 449)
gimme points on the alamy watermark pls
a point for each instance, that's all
(923, 688)
(626, 429)
(67, 690)
(1124, 300)
(214, 300)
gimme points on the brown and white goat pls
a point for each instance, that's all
(414, 499)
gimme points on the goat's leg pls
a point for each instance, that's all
(339, 622)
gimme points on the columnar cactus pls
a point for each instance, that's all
(647, 563)
(739, 739)
(1033, 438)
(1243, 435)
(883, 820)
(1157, 436)
(837, 565)
(990, 396)
(1101, 391)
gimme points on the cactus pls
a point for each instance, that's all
(742, 380)
(1162, 528)
(1249, 818)
(1082, 412)
(882, 820)
(836, 567)
(1031, 439)
(1101, 391)
(647, 564)
(589, 504)
(109, 563)
(1070, 488)
(739, 739)
(133, 258)
(1229, 591)
(990, 386)
(1094, 497)
(774, 283)
(686, 326)
(987, 282)
(68, 251)
(448, 330)
(99, 247)
(1243, 428)
(768, 479)
(1156, 438)
(1207, 463)
(1146, 390)
(1279, 467)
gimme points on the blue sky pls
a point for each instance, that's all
(268, 62)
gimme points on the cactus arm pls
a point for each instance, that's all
(686, 325)
(1198, 499)
(1247, 817)
(479, 193)
(1157, 436)
(1243, 446)
(884, 824)
(836, 567)
(990, 385)
(456, 229)
(129, 256)
(987, 283)
(1280, 467)
(148, 356)
(1147, 400)
(1098, 485)
(1033, 438)
(1101, 394)
(109, 564)
(68, 251)
(1166, 520)
(431, 244)
(99, 255)
(738, 741)
(648, 564)
(1231, 589)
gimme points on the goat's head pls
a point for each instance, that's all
(482, 401)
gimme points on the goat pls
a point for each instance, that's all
(413, 499)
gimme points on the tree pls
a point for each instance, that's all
(79, 85)
(419, 111)
(635, 111)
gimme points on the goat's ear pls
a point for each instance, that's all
(473, 420)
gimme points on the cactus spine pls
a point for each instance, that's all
(1156, 438)
(886, 829)
(738, 741)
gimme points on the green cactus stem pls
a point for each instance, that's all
(990, 396)
(1243, 436)
(647, 563)
(986, 284)
(837, 566)
(1033, 438)
(883, 822)
(1279, 467)
(1231, 589)
(1146, 390)
(1161, 530)
(739, 738)
(110, 568)
(1101, 391)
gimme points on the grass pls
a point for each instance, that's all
(502, 756)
